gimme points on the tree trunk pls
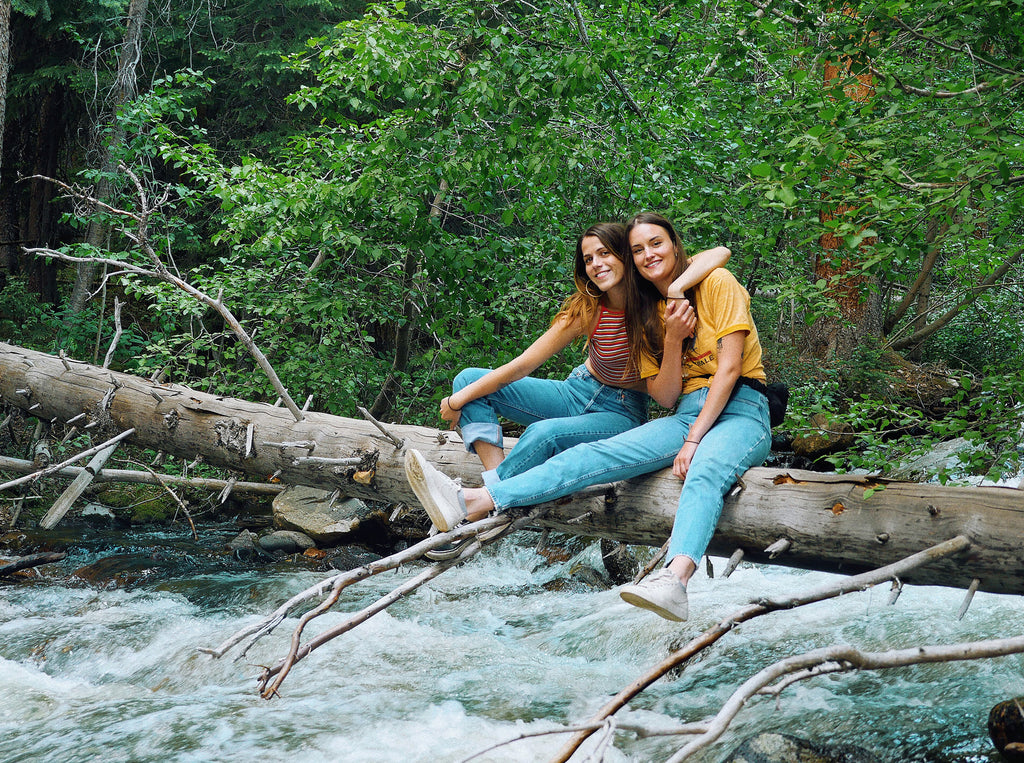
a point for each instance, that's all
(124, 90)
(859, 305)
(837, 523)
(5, 65)
(39, 226)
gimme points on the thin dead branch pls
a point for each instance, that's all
(159, 272)
(57, 467)
(181, 503)
(22, 466)
(839, 659)
(32, 560)
(252, 633)
(762, 607)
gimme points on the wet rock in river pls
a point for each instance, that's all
(285, 542)
(783, 748)
(311, 511)
(1006, 727)
(243, 546)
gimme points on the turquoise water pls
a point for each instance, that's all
(506, 644)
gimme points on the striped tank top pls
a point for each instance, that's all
(609, 349)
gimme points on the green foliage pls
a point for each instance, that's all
(343, 171)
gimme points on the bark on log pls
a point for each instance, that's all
(32, 560)
(830, 524)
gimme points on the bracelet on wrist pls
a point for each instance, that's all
(695, 442)
(452, 406)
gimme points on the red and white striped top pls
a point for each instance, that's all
(609, 349)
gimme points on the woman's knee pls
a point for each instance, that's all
(467, 376)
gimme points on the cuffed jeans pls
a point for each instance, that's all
(740, 439)
(558, 415)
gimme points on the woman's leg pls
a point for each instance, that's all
(558, 415)
(523, 401)
(739, 440)
(608, 412)
(640, 450)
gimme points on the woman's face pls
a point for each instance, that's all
(654, 254)
(602, 266)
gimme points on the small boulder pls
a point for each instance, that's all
(783, 748)
(243, 546)
(310, 511)
(1006, 727)
(285, 542)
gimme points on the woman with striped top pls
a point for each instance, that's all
(719, 429)
(620, 316)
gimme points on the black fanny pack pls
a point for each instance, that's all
(777, 395)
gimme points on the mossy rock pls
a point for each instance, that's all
(141, 504)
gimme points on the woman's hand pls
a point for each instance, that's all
(450, 414)
(679, 317)
(683, 458)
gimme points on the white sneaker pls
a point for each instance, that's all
(440, 495)
(662, 593)
(452, 550)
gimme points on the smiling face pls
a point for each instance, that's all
(602, 266)
(654, 254)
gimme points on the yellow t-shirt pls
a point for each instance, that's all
(723, 307)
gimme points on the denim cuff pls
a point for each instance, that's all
(490, 477)
(488, 432)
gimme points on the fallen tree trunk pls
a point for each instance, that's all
(837, 523)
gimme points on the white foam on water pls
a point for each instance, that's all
(485, 654)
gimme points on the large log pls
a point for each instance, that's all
(838, 523)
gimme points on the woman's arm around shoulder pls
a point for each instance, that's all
(699, 267)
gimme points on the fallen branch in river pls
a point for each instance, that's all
(297, 651)
(329, 590)
(757, 608)
(22, 466)
(57, 467)
(32, 560)
(834, 659)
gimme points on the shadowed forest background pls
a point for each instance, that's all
(384, 193)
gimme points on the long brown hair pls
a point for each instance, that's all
(643, 324)
(682, 261)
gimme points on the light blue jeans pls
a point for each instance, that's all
(740, 439)
(558, 415)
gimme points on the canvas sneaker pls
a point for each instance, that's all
(452, 550)
(440, 495)
(662, 593)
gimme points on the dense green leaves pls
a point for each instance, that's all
(345, 172)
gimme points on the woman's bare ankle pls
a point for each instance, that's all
(478, 503)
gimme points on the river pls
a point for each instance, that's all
(505, 644)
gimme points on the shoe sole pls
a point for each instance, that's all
(638, 601)
(415, 474)
(446, 553)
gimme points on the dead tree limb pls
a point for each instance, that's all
(76, 488)
(838, 659)
(57, 467)
(181, 503)
(297, 651)
(32, 560)
(22, 466)
(258, 630)
(757, 608)
(118, 330)
(159, 272)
